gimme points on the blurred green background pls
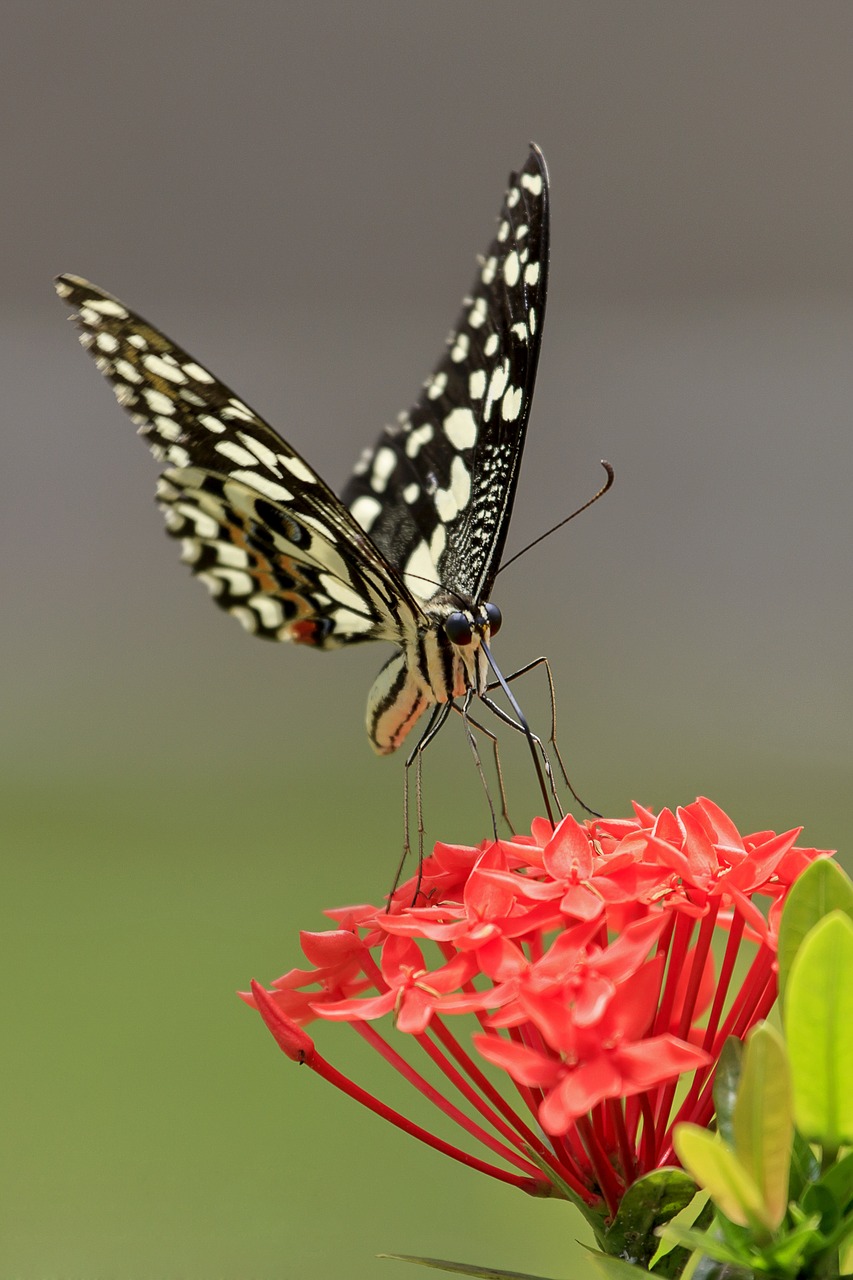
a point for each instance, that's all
(296, 192)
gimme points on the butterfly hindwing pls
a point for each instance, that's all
(277, 549)
(436, 492)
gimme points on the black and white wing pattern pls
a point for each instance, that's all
(410, 552)
(436, 492)
(276, 548)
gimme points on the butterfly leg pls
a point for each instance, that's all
(472, 741)
(520, 723)
(481, 728)
(523, 671)
(536, 743)
(438, 715)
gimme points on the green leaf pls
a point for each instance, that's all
(726, 1082)
(838, 1180)
(705, 1243)
(649, 1203)
(716, 1167)
(805, 1167)
(788, 1253)
(763, 1119)
(698, 1214)
(612, 1268)
(463, 1269)
(819, 1029)
(823, 887)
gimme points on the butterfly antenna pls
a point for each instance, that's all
(611, 475)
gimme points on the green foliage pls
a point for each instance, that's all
(777, 1169)
(819, 1025)
(648, 1204)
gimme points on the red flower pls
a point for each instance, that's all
(583, 952)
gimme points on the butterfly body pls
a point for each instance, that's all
(410, 551)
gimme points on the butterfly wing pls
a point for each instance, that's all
(278, 550)
(436, 492)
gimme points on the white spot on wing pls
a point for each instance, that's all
(487, 274)
(236, 409)
(420, 573)
(461, 428)
(229, 449)
(436, 385)
(212, 424)
(532, 182)
(269, 611)
(298, 468)
(161, 369)
(261, 451)
(460, 348)
(477, 314)
(460, 483)
(123, 394)
(419, 437)
(246, 617)
(512, 269)
(157, 401)
(497, 386)
(126, 370)
(511, 404)
(342, 592)
(205, 525)
(233, 557)
(195, 371)
(354, 623)
(239, 583)
(262, 485)
(107, 307)
(383, 467)
(365, 510)
(477, 384)
(168, 428)
(445, 506)
(358, 470)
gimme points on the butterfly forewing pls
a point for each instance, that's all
(278, 550)
(436, 492)
(421, 526)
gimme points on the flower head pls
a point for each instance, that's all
(583, 955)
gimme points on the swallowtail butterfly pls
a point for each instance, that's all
(410, 551)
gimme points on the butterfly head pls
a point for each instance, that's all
(463, 625)
(463, 632)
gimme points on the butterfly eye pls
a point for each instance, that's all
(494, 616)
(458, 629)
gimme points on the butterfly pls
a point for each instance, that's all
(410, 550)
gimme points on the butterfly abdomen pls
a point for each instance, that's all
(429, 669)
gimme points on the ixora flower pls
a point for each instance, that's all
(571, 990)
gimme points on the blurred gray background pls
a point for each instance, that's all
(295, 192)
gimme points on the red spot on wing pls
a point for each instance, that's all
(307, 631)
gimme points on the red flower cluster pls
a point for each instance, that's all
(584, 953)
